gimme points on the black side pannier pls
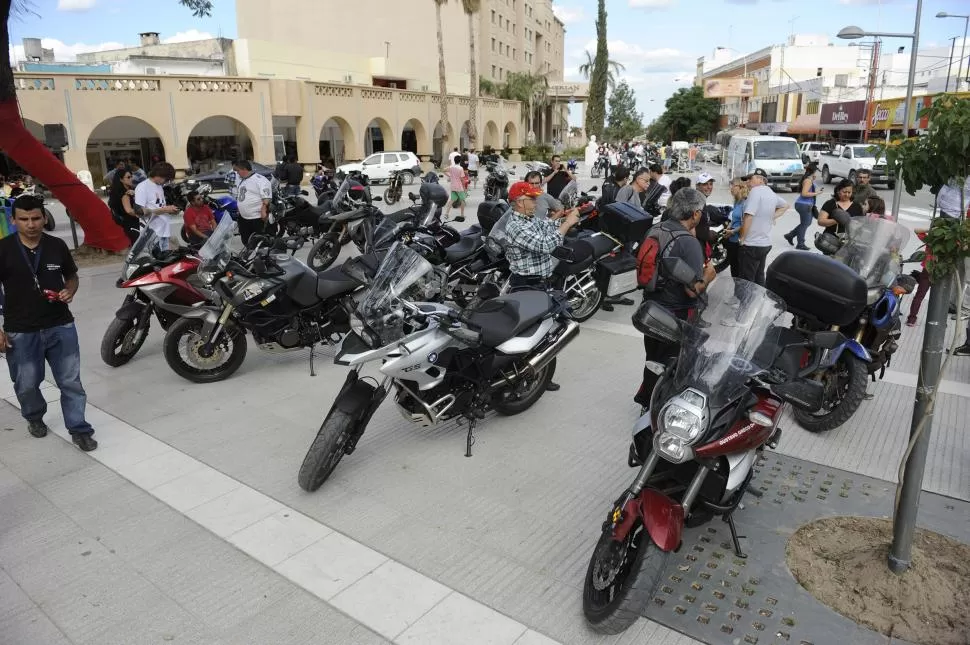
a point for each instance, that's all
(817, 288)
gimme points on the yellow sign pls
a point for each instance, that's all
(716, 88)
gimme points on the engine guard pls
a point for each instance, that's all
(662, 517)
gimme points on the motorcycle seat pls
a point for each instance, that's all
(472, 231)
(463, 248)
(500, 319)
(403, 215)
(334, 282)
(586, 250)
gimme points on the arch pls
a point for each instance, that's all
(336, 141)
(121, 138)
(414, 138)
(440, 139)
(511, 136)
(491, 138)
(464, 138)
(378, 136)
(216, 139)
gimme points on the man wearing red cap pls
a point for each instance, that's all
(531, 240)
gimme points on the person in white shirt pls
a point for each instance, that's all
(253, 195)
(150, 197)
(453, 157)
(761, 210)
(473, 164)
(948, 200)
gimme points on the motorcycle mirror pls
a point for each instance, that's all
(828, 339)
(377, 198)
(593, 189)
(841, 217)
(412, 197)
(679, 270)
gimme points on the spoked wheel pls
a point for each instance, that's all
(326, 451)
(324, 253)
(621, 579)
(122, 340)
(585, 306)
(845, 388)
(187, 355)
(522, 395)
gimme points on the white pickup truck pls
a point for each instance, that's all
(850, 159)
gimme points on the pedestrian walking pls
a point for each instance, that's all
(253, 195)
(761, 209)
(805, 206)
(39, 279)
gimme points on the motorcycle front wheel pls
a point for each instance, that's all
(392, 195)
(186, 355)
(326, 451)
(122, 340)
(324, 253)
(845, 389)
(621, 579)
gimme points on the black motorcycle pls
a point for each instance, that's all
(395, 185)
(600, 168)
(497, 181)
(340, 218)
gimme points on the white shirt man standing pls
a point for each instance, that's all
(253, 195)
(761, 210)
(473, 165)
(150, 196)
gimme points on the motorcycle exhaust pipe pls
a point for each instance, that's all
(542, 359)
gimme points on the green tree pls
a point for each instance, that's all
(689, 115)
(472, 7)
(613, 70)
(624, 122)
(598, 78)
(532, 90)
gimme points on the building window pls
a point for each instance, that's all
(514, 54)
(493, 71)
(813, 107)
(818, 72)
(493, 16)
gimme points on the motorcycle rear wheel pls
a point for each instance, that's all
(633, 581)
(122, 340)
(190, 329)
(326, 451)
(852, 375)
(324, 253)
(584, 308)
(525, 398)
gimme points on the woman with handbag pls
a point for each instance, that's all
(805, 206)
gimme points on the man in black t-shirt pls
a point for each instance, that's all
(292, 174)
(557, 177)
(39, 279)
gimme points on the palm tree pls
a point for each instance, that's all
(472, 8)
(442, 83)
(612, 71)
(532, 90)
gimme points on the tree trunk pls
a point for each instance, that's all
(91, 214)
(473, 95)
(442, 83)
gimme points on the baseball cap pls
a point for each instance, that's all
(758, 171)
(523, 189)
(703, 178)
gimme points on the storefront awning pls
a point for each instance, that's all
(804, 124)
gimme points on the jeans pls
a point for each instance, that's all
(293, 189)
(733, 251)
(922, 286)
(25, 358)
(805, 213)
(753, 260)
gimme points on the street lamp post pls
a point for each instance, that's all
(963, 47)
(949, 68)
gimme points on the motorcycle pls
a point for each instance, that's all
(871, 321)
(600, 168)
(282, 302)
(497, 181)
(441, 363)
(340, 220)
(399, 178)
(161, 283)
(711, 414)
(572, 166)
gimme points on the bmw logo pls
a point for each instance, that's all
(433, 358)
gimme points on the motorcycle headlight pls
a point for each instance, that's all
(672, 448)
(681, 422)
(208, 277)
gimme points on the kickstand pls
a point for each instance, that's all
(312, 373)
(729, 518)
(470, 440)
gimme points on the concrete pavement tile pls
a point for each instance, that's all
(279, 536)
(234, 511)
(390, 599)
(330, 565)
(9, 481)
(195, 489)
(120, 444)
(39, 460)
(459, 620)
(15, 601)
(160, 469)
(30, 526)
(531, 637)
(30, 627)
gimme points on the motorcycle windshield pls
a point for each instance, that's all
(342, 192)
(144, 251)
(216, 249)
(569, 194)
(874, 249)
(401, 276)
(727, 342)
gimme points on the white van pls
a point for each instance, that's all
(780, 157)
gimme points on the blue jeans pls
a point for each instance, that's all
(805, 213)
(25, 358)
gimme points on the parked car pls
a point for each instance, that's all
(379, 165)
(710, 152)
(813, 150)
(779, 157)
(222, 176)
(852, 158)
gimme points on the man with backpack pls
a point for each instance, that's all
(672, 238)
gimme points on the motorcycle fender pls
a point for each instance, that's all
(130, 310)
(663, 519)
(209, 317)
(355, 396)
(853, 346)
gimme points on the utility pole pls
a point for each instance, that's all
(949, 68)
(871, 90)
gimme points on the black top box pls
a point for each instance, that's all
(625, 222)
(818, 288)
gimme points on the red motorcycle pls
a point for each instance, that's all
(162, 283)
(712, 412)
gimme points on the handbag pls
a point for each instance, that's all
(814, 212)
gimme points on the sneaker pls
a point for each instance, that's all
(962, 350)
(802, 247)
(37, 428)
(85, 441)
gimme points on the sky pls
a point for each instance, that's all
(658, 41)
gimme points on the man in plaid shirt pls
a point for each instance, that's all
(531, 240)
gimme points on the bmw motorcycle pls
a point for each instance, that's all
(440, 363)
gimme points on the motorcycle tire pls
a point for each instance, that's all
(324, 253)
(392, 195)
(857, 376)
(49, 223)
(188, 327)
(614, 613)
(117, 347)
(586, 307)
(326, 451)
(407, 178)
(526, 399)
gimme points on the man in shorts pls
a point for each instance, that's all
(473, 164)
(458, 180)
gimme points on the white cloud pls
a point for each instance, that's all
(186, 36)
(64, 51)
(634, 57)
(75, 5)
(652, 4)
(568, 15)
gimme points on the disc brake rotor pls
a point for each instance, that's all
(194, 349)
(609, 560)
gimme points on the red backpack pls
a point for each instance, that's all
(652, 250)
